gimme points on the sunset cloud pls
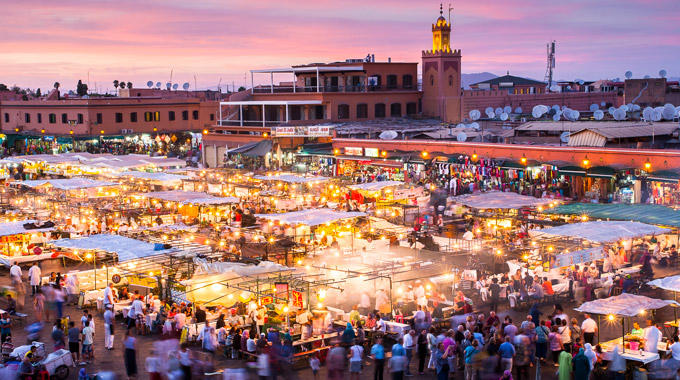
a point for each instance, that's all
(45, 41)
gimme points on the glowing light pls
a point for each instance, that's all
(610, 317)
(230, 296)
(428, 286)
(299, 262)
(151, 274)
(88, 256)
(319, 305)
(285, 309)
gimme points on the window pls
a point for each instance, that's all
(133, 117)
(391, 81)
(171, 115)
(185, 115)
(450, 80)
(119, 117)
(212, 117)
(380, 110)
(395, 109)
(39, 118)
(343, 111)
(362, 111)
(64, 118)
(407, 81)
(100, 118)
(157, 116)
(411, 108)
(80, 118)
(148, 116)
(6, 117)
(53, 118)
(27, 117)
(431, 80)
(194, 115)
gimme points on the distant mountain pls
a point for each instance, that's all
(469, 79)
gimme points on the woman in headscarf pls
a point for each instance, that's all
(617, 364)
(565, 368)
(244, 340)
(581, 365)
(590, 354)
(348, 335)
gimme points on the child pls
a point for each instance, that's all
(507, 375)
(315, 364)
(577, 346)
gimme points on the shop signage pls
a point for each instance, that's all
(297, 299)
(116, 278)
(354, 151)
(302, 131)
(266, 300)
(281, 289)
(577, 257)
(12, 239)
(408, 193)
(371, 152)
(319, 130)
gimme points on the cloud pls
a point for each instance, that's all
(46, 41)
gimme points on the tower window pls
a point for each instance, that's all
(431, 80)
(450, 80)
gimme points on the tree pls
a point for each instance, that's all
(121, 84)
(129, 85)
(38, 93)
(116, 83)
(3, 87)
(57, 85)
(241, 89)
(81, 88)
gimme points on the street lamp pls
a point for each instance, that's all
(94, 265)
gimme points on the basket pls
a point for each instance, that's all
(634, 346)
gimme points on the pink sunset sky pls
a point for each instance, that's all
(44, 41)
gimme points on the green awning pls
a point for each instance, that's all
(650, 214)
(260, 150)
(109, 138)
(573, 171)
(605, 172)
(512, 165)
(668, 176)
(64, 140)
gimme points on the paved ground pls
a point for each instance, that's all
(113, 360)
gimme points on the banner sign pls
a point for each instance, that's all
(296, 298)
(12, 239)
(371, 152)
(302, 131)
(281, 290)
(266, 300)
(577, 257)
(350, 151)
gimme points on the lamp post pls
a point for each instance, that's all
(94, 265)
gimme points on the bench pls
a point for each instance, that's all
(21, 317)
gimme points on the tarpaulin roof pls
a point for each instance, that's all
(127, 249)
(312, 217)
(501, 200)
(290, 178)
(253, 149)
(626, 305)
(159, 177)
(669, 283)
(375, 186)
(187, 197)
(16, 228)
(66, 183)
(650, 214)
(602, 232)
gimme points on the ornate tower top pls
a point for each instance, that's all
(441, 33)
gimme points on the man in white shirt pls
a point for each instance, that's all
(34, 276)
(72, 288)
(652, 337)
(15, 274)
(137, 309)
(409, 345)
(109, 320)
(365, 303)
(419, 294)
(589, 328)
(380, 324)
(108, 295)
(675, 348)
(468, 235)
(380, 298)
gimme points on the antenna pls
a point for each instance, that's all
(450, 9)
(551, 65)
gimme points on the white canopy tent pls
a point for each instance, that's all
(66, 184)
(311, 217)
(127, 249)
(375, 186)
(190, 197)
(290, 178)
(668, 283)
(499, 200)
(159, 177)
(626, 304)
(601, 232)
(17, 228)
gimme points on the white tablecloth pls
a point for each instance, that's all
(400, 328)
(93, 295)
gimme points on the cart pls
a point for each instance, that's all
(57, 364)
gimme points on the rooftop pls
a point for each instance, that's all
(509, 81)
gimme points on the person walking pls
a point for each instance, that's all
(432, 346)
(494, 294)
(507, 353)
(588, 328)
(34, 277)
(565, 332)
(565, 370)
(378, 354)
(356, 358)
(74, 341)
(441, 357)
(422, 350)
(109, 320)
(88, 340)
(542, 333)
(522, 356)
(184, 359)
(470, 357)
(130, 357)
(581, 365)
(409, 345)
(39, 304)
(555, 341)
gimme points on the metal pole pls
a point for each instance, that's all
(623, 331)
(599, 324)
(391, 297)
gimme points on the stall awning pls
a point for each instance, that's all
(163, 178)
(317, 149)
(499, 200)
(290, 178)
(260, 150)
(243, 148)
(189, 197)
(311, 217)
(127, 249)
(601, 232)
(650, 214)
(66, 184)
(605, 172)
(572, 171)
(375, 186)
(625, 305)
(18, 228)
(671, 283)
(668, 176)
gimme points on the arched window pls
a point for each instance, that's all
(407, 81)
(380, 110)
(391, 81)
(450, 80)
(343, 111)
(411, 108)
(362, 111)
(395, 109)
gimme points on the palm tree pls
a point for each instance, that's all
(129, 85)
(116, 84)
(57, 85)
(122, 84)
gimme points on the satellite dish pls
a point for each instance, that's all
(168, 85)
(647, 113)
(537, 112)
(628, 74)
(594, 107)
(662, 73)
(158, 84)
(611, 110)
(491, 114)
(175, 86)
(556, 117)
(598, 115)
(555, 88)
(488, 110)
(634, 107)
(574, 115)
(461, 125)
(475, 125)
(657, 115)
(185, 86)
(669, 111)
(149, 84)
(388, 135)
(647, 77)
(475, 114)
(564, 137)
(556, 107)
(624, 107)
(461, 136)
(518, 110)
(581, 82)
(619, 114)
(504, 116)
(507, 109)
(603, 104)
(498, 111)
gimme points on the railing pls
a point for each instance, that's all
(328, 89)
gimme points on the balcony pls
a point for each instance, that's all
(330, 89)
